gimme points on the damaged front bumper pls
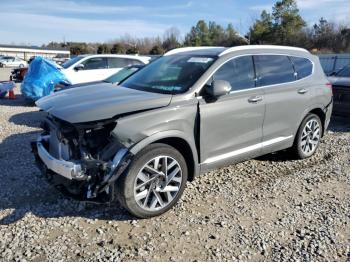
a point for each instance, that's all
(69, 170)
(75, 177)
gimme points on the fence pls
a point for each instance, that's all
(334, 62)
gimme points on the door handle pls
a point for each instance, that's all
(302, 91)
(255, 99)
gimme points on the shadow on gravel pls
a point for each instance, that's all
(339, 124)
(19, 101)
(31, 119)
(24, 191)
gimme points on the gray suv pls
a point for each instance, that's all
(190, 111)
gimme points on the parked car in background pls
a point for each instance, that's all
(190, 111)
(18, 74)
(88, 68)
(341, 91)
(11, 61)
(114, 79)
(60, 59)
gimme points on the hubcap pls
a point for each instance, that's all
(310, 137)
(157, 183)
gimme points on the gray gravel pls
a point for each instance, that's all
(268, 209)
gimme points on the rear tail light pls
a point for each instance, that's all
(329, 85)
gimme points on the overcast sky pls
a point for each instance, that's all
(40, 21)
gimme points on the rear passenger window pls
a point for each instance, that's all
(302, 66)
(273, 69)
(118, 62)
(239, 72)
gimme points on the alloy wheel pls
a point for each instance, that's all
(310, 137)
(157, 183)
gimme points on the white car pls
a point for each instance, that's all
(89, 68)
(11, 61)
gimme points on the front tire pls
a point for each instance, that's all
(154, 182)
(308, 137)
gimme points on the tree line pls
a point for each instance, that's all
(283, 26)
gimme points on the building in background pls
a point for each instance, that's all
(26, 52)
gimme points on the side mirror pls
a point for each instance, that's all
(79, 67)
(219, 88)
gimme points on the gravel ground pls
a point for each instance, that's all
(268, 209)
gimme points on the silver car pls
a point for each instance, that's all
(190, 111)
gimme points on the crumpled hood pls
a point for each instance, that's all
(99, 101)
(339, 81)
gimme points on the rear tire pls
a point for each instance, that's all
(154, 181)
(308, 137)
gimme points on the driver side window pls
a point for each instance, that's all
(239, 72)
(95, 63)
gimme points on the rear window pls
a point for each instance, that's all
(303, 66)
(273, 69)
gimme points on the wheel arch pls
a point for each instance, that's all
(322, 115)
(178, 140)
(317, 110)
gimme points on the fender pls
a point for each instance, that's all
(306, 111)
(169, 134)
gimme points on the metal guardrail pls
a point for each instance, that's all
(334, 62)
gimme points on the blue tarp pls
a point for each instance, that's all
(41, 78)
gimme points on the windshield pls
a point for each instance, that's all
(121, 75)
(72, 61)
(170, 74)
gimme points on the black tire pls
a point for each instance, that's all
(126, 183)
(297, 150)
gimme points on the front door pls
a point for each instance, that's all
(231, 125)
(95, 69)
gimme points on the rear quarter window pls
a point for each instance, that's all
(273, 69)
(303, 66)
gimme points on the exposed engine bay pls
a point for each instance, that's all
(83, 160)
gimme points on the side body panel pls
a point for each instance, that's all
(230, 128)
(284, 107)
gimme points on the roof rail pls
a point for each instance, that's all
(250, 47)
(188, 49)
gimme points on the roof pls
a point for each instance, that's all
(201, 50)
(220, 51)
(137, 57)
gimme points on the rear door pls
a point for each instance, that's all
(286, 99)
(231, 125)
